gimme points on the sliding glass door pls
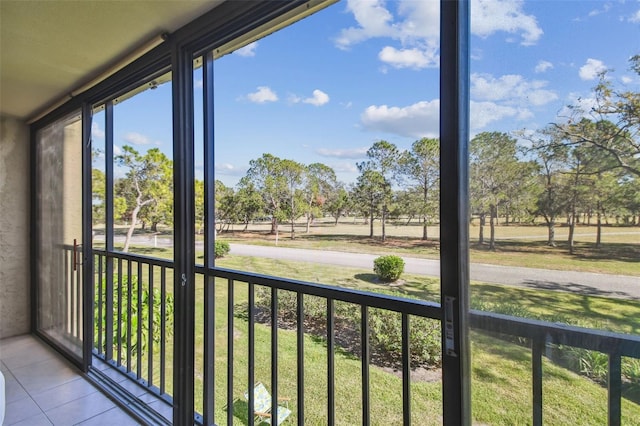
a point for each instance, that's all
(59, 233)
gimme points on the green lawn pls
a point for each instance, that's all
(516, 245)
(501, 371)
(501, 379)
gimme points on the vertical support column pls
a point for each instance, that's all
(209, 240)
(108, 228)
(454, 210)
(87, 252)
(614, 385)
(537, 347)
(184, 235)
(35, 228)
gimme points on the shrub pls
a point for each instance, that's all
(131, 317)
(385, 327)
(221, 249)
(388, 268)
(424, 336)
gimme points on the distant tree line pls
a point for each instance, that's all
(583, 169)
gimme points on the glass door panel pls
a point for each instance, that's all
(59, 232)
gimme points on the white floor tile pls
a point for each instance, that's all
(115, 416)
(20, 410)
(63, 394)
(80, 410)
(37, 420)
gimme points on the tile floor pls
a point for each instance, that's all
(41, 388)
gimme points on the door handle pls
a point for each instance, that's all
(75, 254)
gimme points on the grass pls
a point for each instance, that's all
(516, 245)
(501, 371)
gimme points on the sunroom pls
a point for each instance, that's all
(176, 250)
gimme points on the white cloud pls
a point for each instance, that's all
(319, 98)
(605, 8)
(543, 66)
(344, 167)
(262, 95)
(229, 169)
(409, 58)
(626, 80)
(484, 113)
(415, 26)
(247, 51)
(490, 16)
(117, 150)
(353, 153)
(511, 88)
(198, 84)
(96, 131)
(373, 18)
(591, 69)
(421, 119)
(136, 138)
(635, 18)
(581, 107)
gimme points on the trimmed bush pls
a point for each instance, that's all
(221, 249)
(388, 268)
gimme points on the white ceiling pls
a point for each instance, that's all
(49, 48)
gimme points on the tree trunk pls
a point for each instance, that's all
(384, 220)
(274, 225)
(481, 230)
(551, 226)
(293, 229)
(134, 219)
(572, 227)
(424, 228)
(492, 227)
(309, 217)
(154, 227)
(371, 223)
(599, 228)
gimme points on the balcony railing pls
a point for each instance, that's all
(133, 333)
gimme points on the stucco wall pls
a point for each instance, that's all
(14, 227)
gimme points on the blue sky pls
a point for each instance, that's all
(328, 87)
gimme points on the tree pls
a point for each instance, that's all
(422, 167)
(338, 202)
(493, 167)
(246, 203)
(293, 173)
(384, 159)
(147, 181)
(263, 175)
(278, 182)
(320, 185)
(98, 188)
(577, 189)
(225, 209)
(551, 156)
(370, 193)
(611, 125)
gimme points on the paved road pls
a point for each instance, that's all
(619, 286)
(587, 283)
